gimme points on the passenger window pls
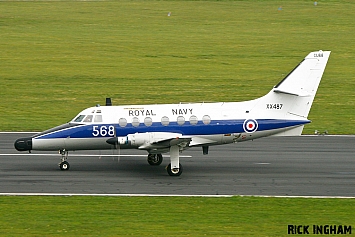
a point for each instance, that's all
(79, 118)
(206, 119)
(193, 120)
(135, 122)
(122, 122)
(98, 118)
(88, 119)
(148, 121)
(180, 120)
(165, 121)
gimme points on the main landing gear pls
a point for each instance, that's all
(174, 168)
(155, 159)
(174, 171)
(64, 164)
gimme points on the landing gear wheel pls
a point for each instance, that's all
(174, 172)
(64, 165)
(155, 159)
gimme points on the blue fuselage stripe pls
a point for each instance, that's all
(215, 127)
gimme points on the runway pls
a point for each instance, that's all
(280, 166)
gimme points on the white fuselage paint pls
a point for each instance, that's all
(176, 127)
(283, 111)
(228, 117)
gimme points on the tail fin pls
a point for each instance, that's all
(292, 98)
(303, 82)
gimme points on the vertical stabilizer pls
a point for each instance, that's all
(292, 98)
(302, 83)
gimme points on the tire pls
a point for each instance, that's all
(64, 165)
(155, 159)
(172, 173)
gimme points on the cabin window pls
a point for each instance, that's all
(79, 118)
(206, 119)
(165, 121)
(180, 120)
(122, 122)
(98, 118)
(193, 120)
(88, 119)
(148, 121)
(135, 122)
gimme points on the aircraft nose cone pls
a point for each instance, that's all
(23, 144)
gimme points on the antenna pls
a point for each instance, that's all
(108, 102)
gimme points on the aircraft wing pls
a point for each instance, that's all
(160, 140)
(166, 143)
(163, 140)
(199, 141)
(152, 140)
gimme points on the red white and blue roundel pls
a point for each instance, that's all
(250, 125)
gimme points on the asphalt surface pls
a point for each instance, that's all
(281, 166)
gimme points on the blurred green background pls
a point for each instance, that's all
(60, 57)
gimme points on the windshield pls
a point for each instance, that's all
(88, 118)
(79, 118)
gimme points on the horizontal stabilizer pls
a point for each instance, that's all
(300, 93)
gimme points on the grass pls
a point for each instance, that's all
(59, 57)
(167, 216)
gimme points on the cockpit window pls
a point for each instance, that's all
(98, 118)
(88, 119)
(79, 118)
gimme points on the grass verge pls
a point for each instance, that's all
(59, 57)
(167, 216)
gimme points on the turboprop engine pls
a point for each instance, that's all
(145, 140)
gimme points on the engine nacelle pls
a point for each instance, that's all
(142, 139)
(118, 141)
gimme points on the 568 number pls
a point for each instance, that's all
(103, 131)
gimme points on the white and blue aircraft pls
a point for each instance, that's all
(176, 127)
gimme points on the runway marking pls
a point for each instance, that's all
(306, 135)
(109, 195)
(167, 195)
(82, 155)
(33, 154)
(261, 163)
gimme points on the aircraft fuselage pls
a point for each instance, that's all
(175, 127)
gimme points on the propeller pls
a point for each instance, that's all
(116, 147)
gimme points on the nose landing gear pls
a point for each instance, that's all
(64, 164)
